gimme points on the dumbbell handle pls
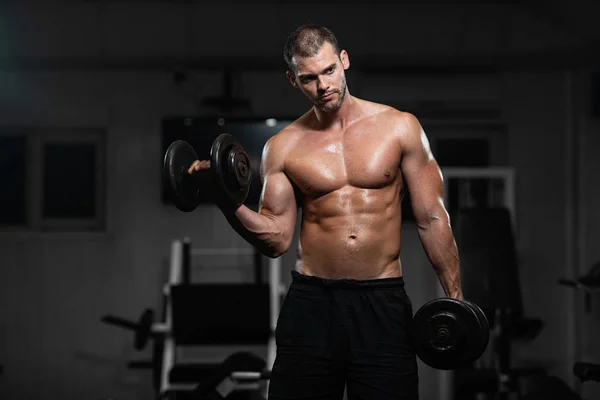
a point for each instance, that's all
(203, 179)
(198, 176)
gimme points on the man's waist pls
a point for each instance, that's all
(301, 278)
(368, 270)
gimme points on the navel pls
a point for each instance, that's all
(353, 236)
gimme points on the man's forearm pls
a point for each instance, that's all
(257, 229)
(440, 247)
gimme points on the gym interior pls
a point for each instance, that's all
(110, 292)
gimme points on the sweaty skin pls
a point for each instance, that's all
(352, 189)
(348, 162)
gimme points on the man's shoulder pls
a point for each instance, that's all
(290, 133)
(389, 113)
(402, 125)
(283, 141)
(284, 136)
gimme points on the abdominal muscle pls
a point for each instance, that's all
(351, 233)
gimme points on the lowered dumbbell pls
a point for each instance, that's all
(448, 333)
(144, 329)
(227, 178)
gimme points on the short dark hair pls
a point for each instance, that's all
(306, 41)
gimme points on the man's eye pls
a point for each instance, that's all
(330, 71)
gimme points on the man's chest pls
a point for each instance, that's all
(367, 159)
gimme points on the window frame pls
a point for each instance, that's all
(36, 139)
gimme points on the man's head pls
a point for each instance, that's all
(316, 66)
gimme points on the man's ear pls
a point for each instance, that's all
(345, 59)
(292, 78)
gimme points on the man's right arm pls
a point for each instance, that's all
(271, 229)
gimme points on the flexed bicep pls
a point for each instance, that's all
(277, 199)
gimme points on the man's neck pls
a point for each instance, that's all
(338, 118)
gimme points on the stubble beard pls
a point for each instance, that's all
(327, 107)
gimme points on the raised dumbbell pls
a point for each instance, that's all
(227, 179)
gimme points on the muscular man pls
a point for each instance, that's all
(345, 319)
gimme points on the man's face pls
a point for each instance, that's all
(322, 78)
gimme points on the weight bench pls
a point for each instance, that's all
(216, 315)
(195, 315)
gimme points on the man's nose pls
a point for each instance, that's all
(322, 85)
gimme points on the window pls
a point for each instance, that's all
(69, 183)
(52, 179)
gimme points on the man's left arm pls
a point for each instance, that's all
(425, 185)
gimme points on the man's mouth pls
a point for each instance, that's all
(327, 96)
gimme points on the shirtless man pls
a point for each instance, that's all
(345, 319)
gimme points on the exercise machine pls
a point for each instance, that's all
(236, 315)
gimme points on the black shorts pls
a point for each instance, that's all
(333, 334)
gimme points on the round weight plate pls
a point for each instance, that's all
(230, 166)
(238, 165)
(183, 187)
(484, 336)
(144, 329)
(441, 331)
